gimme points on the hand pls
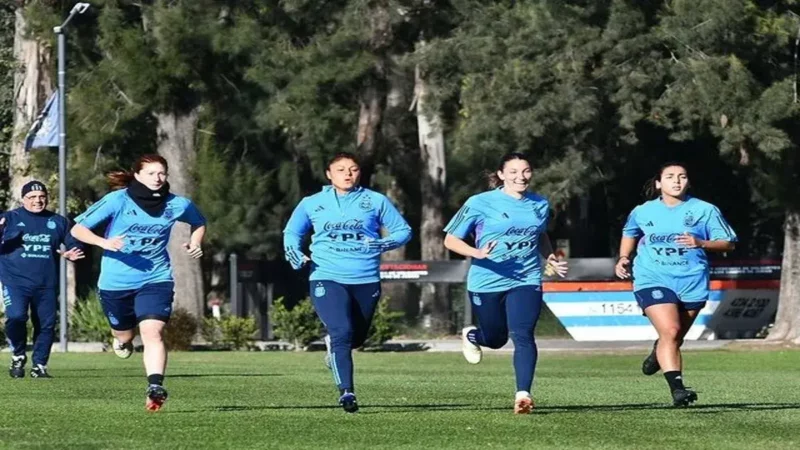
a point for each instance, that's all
(557, 266)
(621, 269)
(483, 253)
(194, 251)
(114, 244)
(303, 261)
(688, 241)
(73, 254)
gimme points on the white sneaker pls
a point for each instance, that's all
(472, 352)
(124, 351)
(327, 340)
(523, 404)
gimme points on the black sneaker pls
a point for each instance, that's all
(683, 397)
(40, 371)
(348, 402)
(156, 396)
(650, 364)
(17, 367)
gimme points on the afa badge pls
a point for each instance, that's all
(657, 294)
(476, 300)
(51, 225)
(365, 203)
(319, 291)
(168, 214)
(688, 219)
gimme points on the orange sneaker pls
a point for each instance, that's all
(156, 396)
(523, 403)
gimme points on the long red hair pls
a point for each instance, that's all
(120, 179)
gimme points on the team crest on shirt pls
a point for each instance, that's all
(51, 225)
(476, 300)
(365, 203)
(657, 294)
(169, 214)
(688, 219)
(319, 291)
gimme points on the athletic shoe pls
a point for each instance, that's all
(124, 351)
(472, 352)
(650, 364)
(683, 397)
(328, 357)
(40, 371)
(348, 402)
(156, 396)
(17, 367)
(523, 404)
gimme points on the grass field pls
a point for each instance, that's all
(748, 400)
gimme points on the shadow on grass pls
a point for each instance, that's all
(129, 373)
(541, 410)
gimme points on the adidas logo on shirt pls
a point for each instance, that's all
(131, 212)
(21, 224)
(319, 208)
(649, 224)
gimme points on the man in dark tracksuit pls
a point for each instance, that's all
(31, 242)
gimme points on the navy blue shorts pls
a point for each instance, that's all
(660, 295)
(125, 309)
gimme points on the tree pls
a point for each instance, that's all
(724, 69)
(32, 85)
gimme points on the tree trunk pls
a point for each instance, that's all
(787, 321)
(372, 99)
(176, 143)
(32, 85)
(434, 299)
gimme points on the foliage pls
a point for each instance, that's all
(180, 331)
(384, 326)
(299, 325)
(229, 331)
(237, 331)
(7, 68)
(88, 322)
(211, 331)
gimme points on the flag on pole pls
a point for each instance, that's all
(44, 132)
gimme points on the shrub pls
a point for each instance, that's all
(384, 324)
(237, 331)
(299, 325)
(87, 322)
(180, 331)
(211, 331)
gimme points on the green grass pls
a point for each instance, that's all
(748, 400)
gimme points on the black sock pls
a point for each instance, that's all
(674, 380)
(158, 379)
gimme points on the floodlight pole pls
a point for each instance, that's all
(79, 8)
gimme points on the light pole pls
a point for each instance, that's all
(79, 8)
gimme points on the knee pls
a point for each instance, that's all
(341, 337)
(522, 337)
(151, 333)
(496, 341)
(670, 334)
(14, 315)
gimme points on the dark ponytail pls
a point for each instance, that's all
(492, 179)
(649, 190)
